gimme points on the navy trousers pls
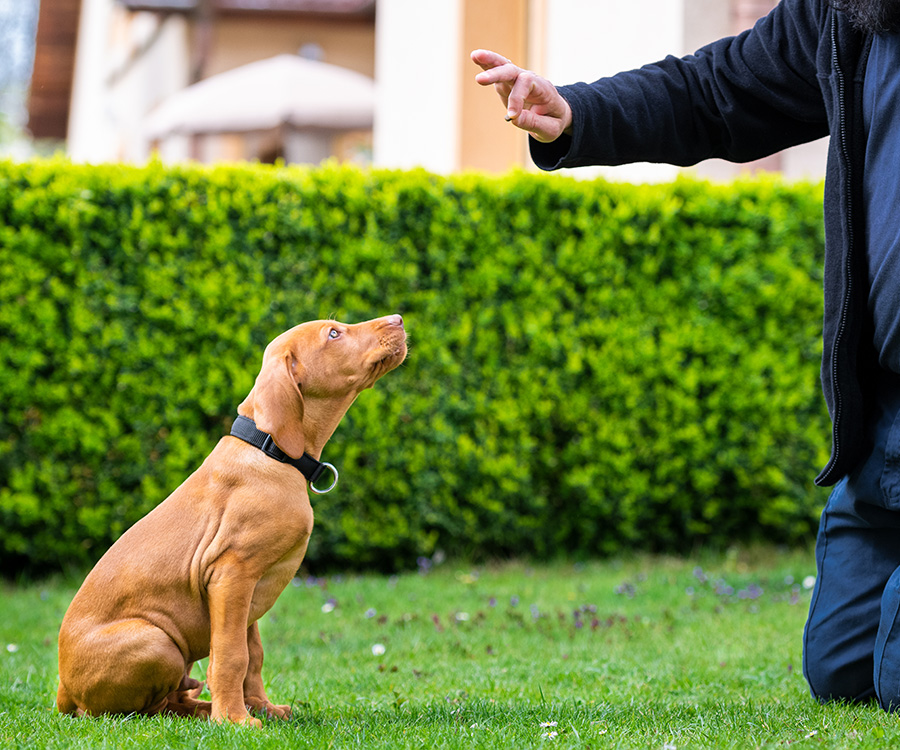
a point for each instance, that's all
(851, 644)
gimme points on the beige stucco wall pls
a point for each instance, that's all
(125, 64)
(487, 141)
(418, 77)
(349, 44)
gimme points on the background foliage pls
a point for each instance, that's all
(592, 366)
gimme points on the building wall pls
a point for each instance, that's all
(487, 141)
(237, 41)
(429, 111)
(125, 64)
(418, 77)
(801, 162)
(128, 62)
(587, 41)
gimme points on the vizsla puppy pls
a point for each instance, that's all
(192, 578)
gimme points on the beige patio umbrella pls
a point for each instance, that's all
(283, 90)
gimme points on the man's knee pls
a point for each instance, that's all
(833, 676)
(888, 696)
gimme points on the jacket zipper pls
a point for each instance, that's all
(848, 184)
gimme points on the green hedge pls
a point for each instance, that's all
(593, 367)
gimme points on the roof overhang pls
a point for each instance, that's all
(306, 7)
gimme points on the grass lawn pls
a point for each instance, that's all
(649, 652)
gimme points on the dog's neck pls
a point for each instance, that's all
(320, 419)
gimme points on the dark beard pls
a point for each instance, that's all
(878, 16)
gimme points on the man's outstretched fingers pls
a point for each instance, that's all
(488, 59)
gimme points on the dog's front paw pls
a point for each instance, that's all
(235, 717)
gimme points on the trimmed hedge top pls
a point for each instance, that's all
(593, 366)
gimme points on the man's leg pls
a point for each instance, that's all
(854, 561)
(857, 552)
(887, 647)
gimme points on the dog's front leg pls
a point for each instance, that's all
(229, 659)
(254, 693)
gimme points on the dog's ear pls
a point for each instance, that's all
(276, 403)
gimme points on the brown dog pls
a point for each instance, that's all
(192, 578)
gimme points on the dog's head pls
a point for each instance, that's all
(311, 374)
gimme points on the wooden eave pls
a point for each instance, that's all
(54, 68)
(333, 8)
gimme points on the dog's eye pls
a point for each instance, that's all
(334, 333)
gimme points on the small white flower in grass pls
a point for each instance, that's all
(378, 649)
(328, 607)
(549, 735)
(809, 582)
(462, 616)
(12, 648)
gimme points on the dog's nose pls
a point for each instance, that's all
(394, 320)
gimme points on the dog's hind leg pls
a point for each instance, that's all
(183, 702)
(189, 687)
(64, 704)
(130, 666)
(179, 704)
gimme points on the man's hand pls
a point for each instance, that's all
(532, 102)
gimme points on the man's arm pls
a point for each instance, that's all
(740, 98)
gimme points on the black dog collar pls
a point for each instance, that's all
(246, 429)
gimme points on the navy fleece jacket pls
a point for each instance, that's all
(794, 77)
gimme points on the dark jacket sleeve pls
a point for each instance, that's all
(740, 98)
